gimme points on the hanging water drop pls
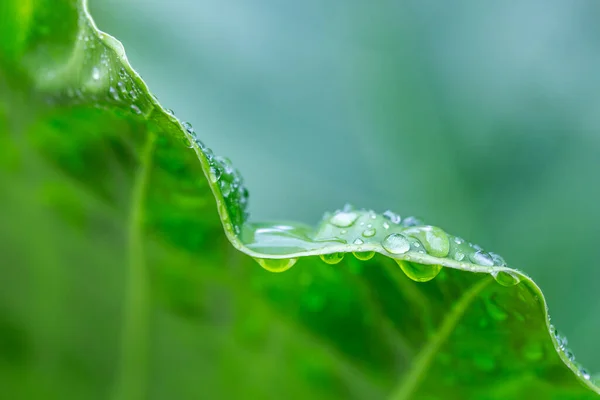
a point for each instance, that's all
(419, 272)
(392, 216)
(276, 264)
(396, 243)
(369, 232)
(480, 257)
(343, 219)
(364, 255)
(332, 258)
(506, 278)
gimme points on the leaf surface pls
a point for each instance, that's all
(128, 261)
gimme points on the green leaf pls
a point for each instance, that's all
(128, 272)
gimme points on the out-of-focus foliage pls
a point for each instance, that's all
(119, 278)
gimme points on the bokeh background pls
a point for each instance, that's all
(480, 117)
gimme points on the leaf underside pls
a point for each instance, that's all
(120, 279)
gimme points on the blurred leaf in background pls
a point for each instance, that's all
(481, 117)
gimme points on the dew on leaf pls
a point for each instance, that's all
(95, 73)
(498, 260)
(419, 272)
(358, 241)
(392, 216)
(434, 239)
(343, 219)
(459, 256)
(506, 278)
(396, 243)
(369, 232)
(276, 264)
(332, 258)
(364, 255)
(480, 257)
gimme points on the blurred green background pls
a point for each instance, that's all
(481, 117)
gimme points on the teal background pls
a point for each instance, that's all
(482, 118)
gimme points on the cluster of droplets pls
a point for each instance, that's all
(221, 172)
(102, 81)
(562, 342)
(409, 241)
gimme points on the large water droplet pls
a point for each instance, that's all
(343, 219)
(369, 232)
(396, 243)
(332, 258)
(480, 257)
(276, 264)
(506, 278)
(392, 216)
(364, 255)
(95, 73)
(419, 272)
(434, 239)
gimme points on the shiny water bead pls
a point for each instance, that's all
(434, 239)
(412, 221)
(458, 240)
(480, 257)
(188, 127)
(276, 264)
(95, 73)
(358, 241)
(419, 272)
(343, 219)
(396, 243)
(370, 232)
(498, 260)
(584, 373)
(506, 278)
(332, 258)
(364, 255)
(392, 216)
(459, 256)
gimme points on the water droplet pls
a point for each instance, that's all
(459, 256)
(396, 243)
(170, 112)
(586, 375)
(570, 355)
(386, 225)
(332, 258)
(459, 240)
(122, 87)
(358, 241)
(480, 257)
(95, 73)
(412, 221)
(369, 232)
(392, 216)
(364, 255)
(136, 109)
(114, 94)
(188, 127)
(419, 272)
(276, 264)
(561, 340)
(506, 278)
(225, 188)
(498, 260)
(433, 239)
(215, 174)
(343, 219)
